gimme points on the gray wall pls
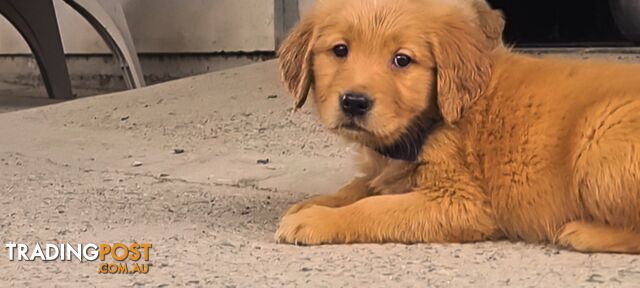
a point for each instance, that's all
(305, 5)
(177, 38)
(168, 26)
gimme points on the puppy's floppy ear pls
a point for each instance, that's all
(463, 68)
(296, 61)
(491, 22)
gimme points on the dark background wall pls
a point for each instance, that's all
(559, 23)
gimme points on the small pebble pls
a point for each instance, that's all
(137, 164)
(178, 151)
(227, 244)
(263, 161)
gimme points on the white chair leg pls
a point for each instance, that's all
(108, 19)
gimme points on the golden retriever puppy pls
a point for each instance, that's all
(463, 140)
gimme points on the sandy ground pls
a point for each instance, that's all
(67, 175)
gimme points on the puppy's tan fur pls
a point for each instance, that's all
(540, 150)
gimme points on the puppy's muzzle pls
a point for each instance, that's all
(355, 104)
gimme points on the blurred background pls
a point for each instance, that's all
(175, 39)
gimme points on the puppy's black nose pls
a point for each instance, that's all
(355, 104)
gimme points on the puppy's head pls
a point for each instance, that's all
(378, 67)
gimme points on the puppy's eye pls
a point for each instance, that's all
(341, 50)
(402, 61)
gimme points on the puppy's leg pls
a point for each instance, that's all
(590, 237)
(348, 194)
(415, 217)
(607, 170)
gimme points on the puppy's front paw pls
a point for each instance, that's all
(323, 200)
(312, 226)
(293, 209)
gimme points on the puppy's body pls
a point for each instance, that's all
(555, 141)
(529, 149)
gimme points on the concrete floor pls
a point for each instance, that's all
(21, 84)
(67, 174)
(15, 97)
